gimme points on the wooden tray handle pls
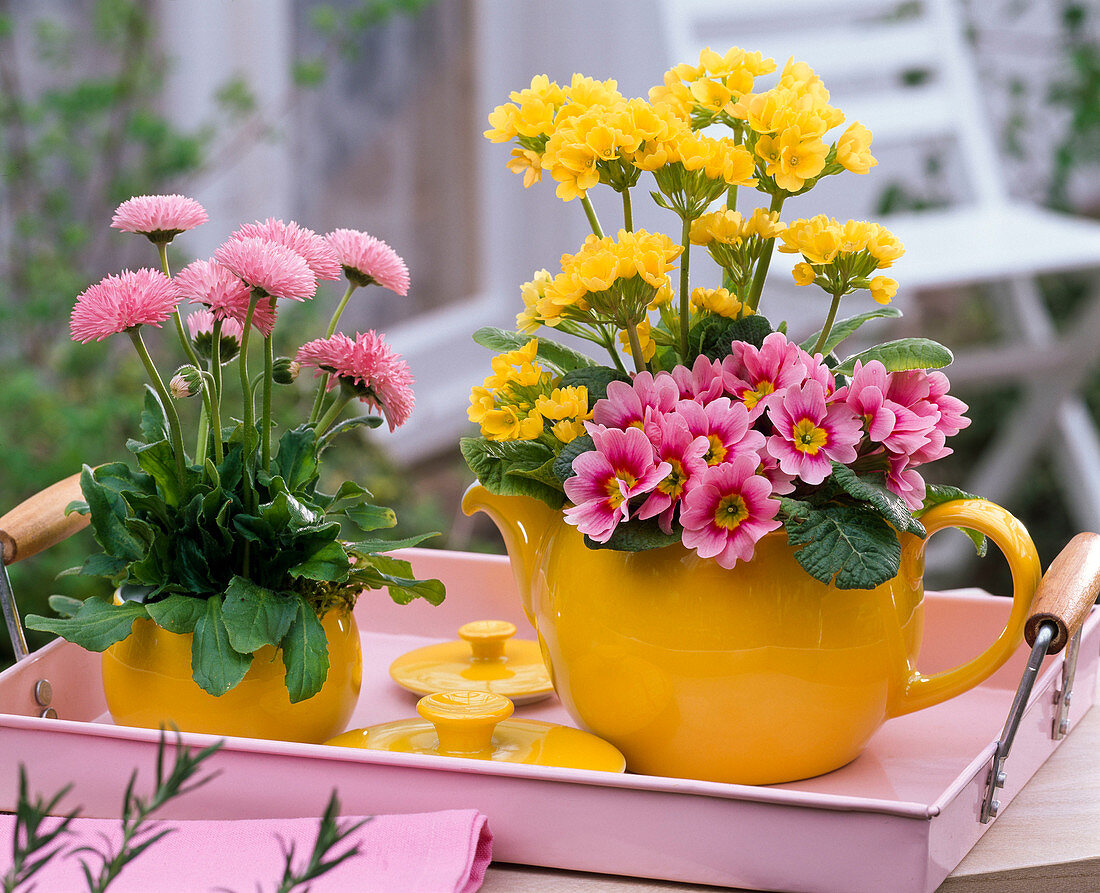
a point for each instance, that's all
(1067, 591)
(40, 522)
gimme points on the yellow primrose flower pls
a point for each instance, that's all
(564, 403)
(481, 404)
(853, 149)
(568, 430)
(817, 239)
(803, 274)
(528, 163)
(792, 158)
(720, 302)
(502, 124)
(585, 92)
(763, 224)
(506, 423)
(884, 246)
(724, 225)
(883, 288)
(532, 293)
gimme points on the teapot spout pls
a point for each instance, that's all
(523, 522)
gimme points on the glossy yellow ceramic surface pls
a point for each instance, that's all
(486, 659)
(754, 675)
(147, 682)
(475, 725)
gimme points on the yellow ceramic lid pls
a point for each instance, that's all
(486, 659)
(475, 725)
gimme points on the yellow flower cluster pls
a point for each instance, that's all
(514, 401)
(719, 302)
(608, 280)
(730, 227)
(718, 159)
(844, 254)
(708, 88)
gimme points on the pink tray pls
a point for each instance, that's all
(899, 818)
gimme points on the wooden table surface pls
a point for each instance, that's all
(1046, 841)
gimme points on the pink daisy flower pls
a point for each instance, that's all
(379, 377)
(810, 435)
(754, 375)
(117, 303)
(702, 382)
(276, 271)
(201, 326)
(159, 217)
(622, 466)
(369, 261)
(686, 455)
(211, 284)
(633, 405)
(728, 512)
(314, 249)
(905, 482)
(726, 425)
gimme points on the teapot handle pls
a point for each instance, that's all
(1013, 540)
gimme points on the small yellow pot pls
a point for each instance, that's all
(147, 682)
(755, 675)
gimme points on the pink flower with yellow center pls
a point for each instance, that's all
(119, 303)
(686, 456)
(160, 218)
(313, 249)
(757, 377)
(636, 404)
(702, 382)
(378, 376)
(728, 512)
(727, 427)
(622, 466)
(276, 271)
(211, 284)
(810, 435)
(369, 261)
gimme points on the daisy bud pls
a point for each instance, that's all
(285, 370)
(185, 383)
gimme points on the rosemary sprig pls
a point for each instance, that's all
(329, 835)
(34, 843)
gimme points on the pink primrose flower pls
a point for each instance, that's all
(159, 217)
(866, 395)
(727, 426)
(952, 420)
(209, 283)
(622, 466)
(810, 435)
(782, 483)
(379, 377)
(636, 404)
(754, 375)
(201, 322)
(686, 456)
(728, 512)
(276, 271)
(118, 303)
(702, 382)
(313, 249)
(367, 260)
(905, 482)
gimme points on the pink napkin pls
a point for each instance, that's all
(433, 852)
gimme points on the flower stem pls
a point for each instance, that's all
(322, 385)
(269, 383)
(686, 242)
(216, 391)
(175, 431)
(731, 204)
(828, 323)
(635, 347)
(249, 416)
(593, 220)
(188, 350)
(333, 413)
(628, 212)
(609, 343)
(765, 260)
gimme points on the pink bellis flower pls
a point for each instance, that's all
(313, 249)
(201, 326)
(368, 368)
(369, 261)
(226, 296)
(621, 467)
(123, 302)
(810, 435)
(160, 218)
(270, 268)
(728, 512)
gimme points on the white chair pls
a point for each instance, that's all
(866, 53)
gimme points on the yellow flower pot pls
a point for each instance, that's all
(147, 682)
(754, 675)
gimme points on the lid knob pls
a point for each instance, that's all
(464, 720)
(487, 637)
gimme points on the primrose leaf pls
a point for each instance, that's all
(215, 664)
(939, 493)
(902, 355)
(562, 358)
(96, 626)
(852, 548)
(305, 654)
(636, 536)
(493, 463)
(888, 504)
(563, 465)
(713, 336)
(595, 379)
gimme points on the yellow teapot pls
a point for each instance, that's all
(755, 675)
